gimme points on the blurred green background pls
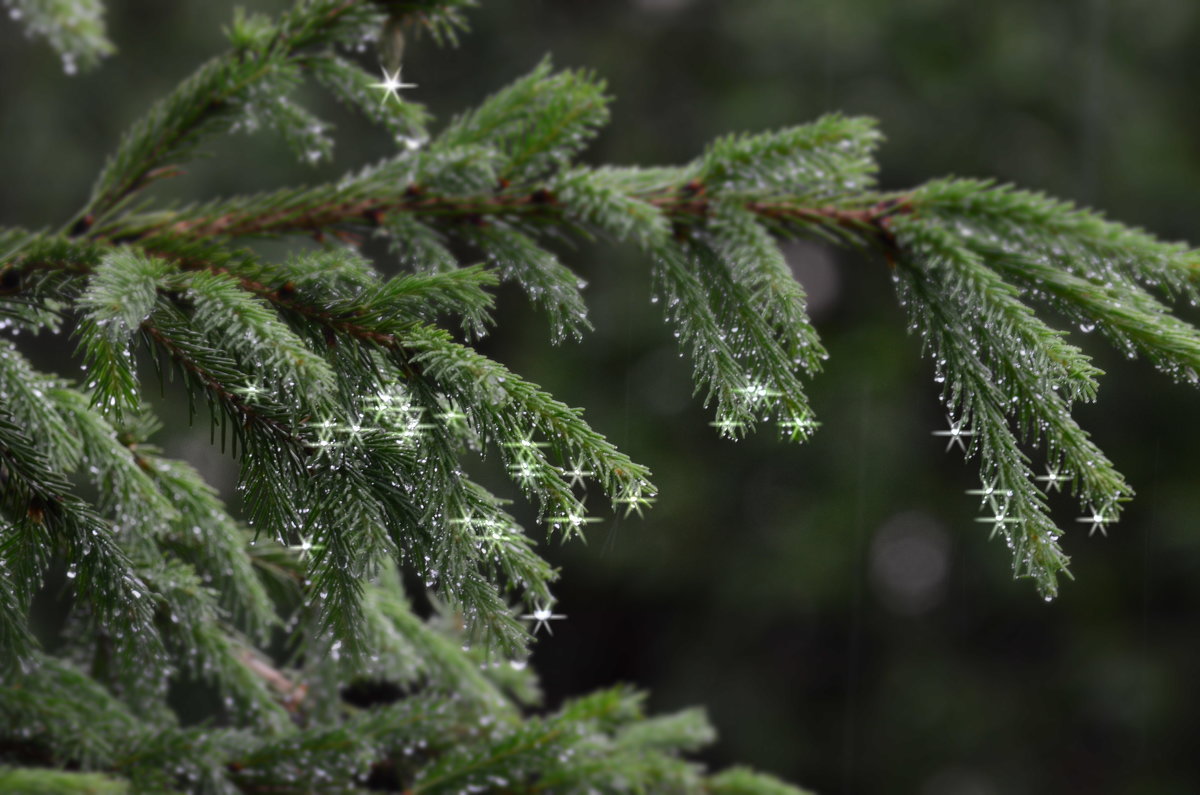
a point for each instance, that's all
(834, 605)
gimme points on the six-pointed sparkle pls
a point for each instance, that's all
(1053, 478)
(757, 393)
(526, 446)
(987, 493)
(798, 428)
(955, 434)
(524, 471)
(573, 521)
(634, 503)
(305, 547)
(728, 427)
(997, 521)
(577, 474)
(542, 615)
(390, 85)
(250, 392)
(1098, 520)
(452, 416)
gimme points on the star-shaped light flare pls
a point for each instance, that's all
(572, 521)
(728, 427)
(997, 520)
(390, 85)
(577, 474)
(452, 416)
(989, 494)
(757, 393)
(798, 428)
(543, 616)
(1098, 520)
(1053, 478)
(955, 434)
(305, 548)
(634, 503)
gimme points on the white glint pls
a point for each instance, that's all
(1053, 479)
(543, 616)
(798, 428)
(488, 531)
(989, 495)
(1097, 520)
(574, 521)
(305, 548)
(728, 427)
(452, 416)
(326, 430)
(757, 393)
(467, 520)
(997, 521)
(634, 503)
(524, 471)
(390, 85)
(986, 493)
(252, 392)
(577, 474)
(526, 447)
(955, 434)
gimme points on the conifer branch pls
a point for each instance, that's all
(75, 30)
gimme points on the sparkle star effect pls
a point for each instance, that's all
(573, 521)
(326, 429)
(524, 471)
(411, 428)
(757, 393)
(390, 85)
(955, 434)
(250, 392)
(634, 503)
(989, 493)
(728, 427)
(1053, 479)
(542, 615)
(493, 533)
(389, 404)
(997, 521)
(452, 416)
(305, 547)
(526, 447)
(577, 473)
(1097, 520)
(798, 428)
(353, 432)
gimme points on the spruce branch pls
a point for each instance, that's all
(74, 29)
(42, 516)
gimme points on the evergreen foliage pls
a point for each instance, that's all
(352, 399)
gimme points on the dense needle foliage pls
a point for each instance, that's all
(352, 400)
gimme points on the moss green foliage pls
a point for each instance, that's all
(74, 28)
(353, 400)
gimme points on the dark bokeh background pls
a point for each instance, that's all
(834, 605)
